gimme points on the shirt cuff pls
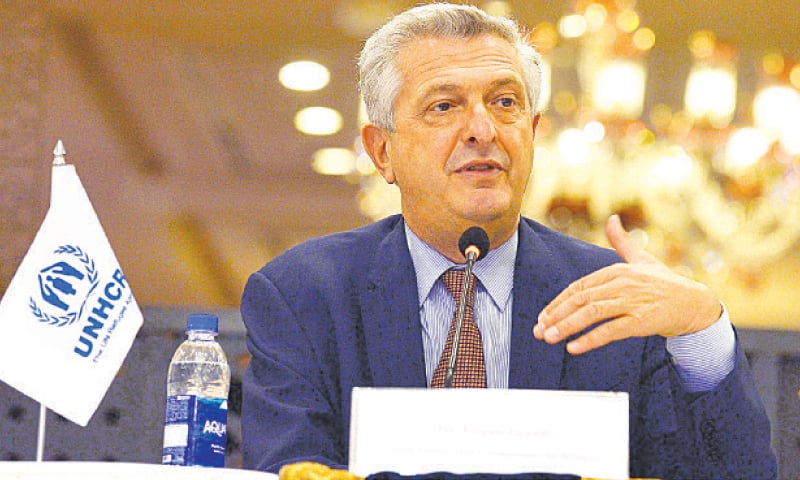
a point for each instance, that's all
(703, 359)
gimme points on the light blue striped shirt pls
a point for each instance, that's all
(703, 359)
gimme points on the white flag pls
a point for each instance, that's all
(68, 317)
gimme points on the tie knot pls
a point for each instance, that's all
(454, 281)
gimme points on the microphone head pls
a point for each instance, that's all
(477, 238)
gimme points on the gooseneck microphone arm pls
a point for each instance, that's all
(474, 244)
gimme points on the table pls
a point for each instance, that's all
(121, 471)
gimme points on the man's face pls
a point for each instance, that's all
(462, 148)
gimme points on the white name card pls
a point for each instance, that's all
(417, 431)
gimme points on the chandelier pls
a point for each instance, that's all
(706, 190)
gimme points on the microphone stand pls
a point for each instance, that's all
(472, 254)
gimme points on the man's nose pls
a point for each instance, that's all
(479, 129)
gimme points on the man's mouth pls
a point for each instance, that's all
(479, 167)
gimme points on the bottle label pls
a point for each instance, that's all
(195, 431)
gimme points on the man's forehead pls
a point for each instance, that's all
(443, 52)
(423, 42)
(443, 62)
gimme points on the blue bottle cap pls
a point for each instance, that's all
(203, 322)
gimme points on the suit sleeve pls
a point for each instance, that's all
(720, 434)
(287, 413)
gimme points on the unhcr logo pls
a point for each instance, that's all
(71, 290)
(64, 287)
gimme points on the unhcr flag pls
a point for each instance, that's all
(68, 317)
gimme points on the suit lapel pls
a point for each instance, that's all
(392, 330)
(537, 279)
(390, 313)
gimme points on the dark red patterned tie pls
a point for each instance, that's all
(470, 370)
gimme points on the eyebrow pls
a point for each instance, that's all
(440, 88)
(502, 82)
(452, 87)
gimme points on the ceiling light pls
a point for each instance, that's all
(711, 94)
(644, 39)
(334, 161)
(794, 76)
(595, 16)
(702, 44)
(745, 147)
(594, 131)
(574, 147)
(775, 107)
(627, 20)
(572, 26)
(304, 76)
(318, 121)
(674, 168)
(619, 88)
(498, 8)
(773, 63)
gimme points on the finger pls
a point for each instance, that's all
(555, 311)
(605, 333)
(573, 290)
(581, 312)
(574, 295)
(625, 245)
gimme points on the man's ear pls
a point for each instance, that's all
(375, 140)
(536, 122)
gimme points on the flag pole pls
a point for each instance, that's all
(58, 159)
(40, 437)
(59, 153)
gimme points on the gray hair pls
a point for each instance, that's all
(379, 78)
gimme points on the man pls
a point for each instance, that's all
(451, 94)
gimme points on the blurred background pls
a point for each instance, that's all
(188, 143)
(208, 143)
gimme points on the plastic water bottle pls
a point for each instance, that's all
(195, 425)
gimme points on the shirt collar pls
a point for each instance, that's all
(495, 271)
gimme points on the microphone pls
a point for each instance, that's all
(474, 241)
(474, 245)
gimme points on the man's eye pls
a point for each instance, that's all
(507, 102)
(442, 107)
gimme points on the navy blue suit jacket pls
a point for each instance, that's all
(342, 311)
